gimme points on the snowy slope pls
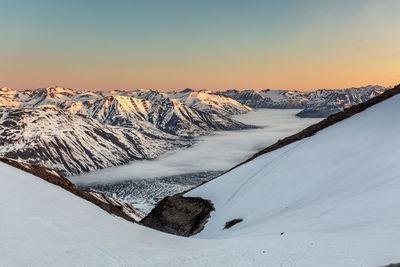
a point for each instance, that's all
(333, 195)
(44, 225)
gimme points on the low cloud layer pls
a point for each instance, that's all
(220, 151)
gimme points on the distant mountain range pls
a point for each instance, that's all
(72, 144)
(78, 131)
(315, 104)
(138, 109)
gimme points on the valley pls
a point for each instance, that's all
(144, 183)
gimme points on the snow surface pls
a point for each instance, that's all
(334, 197)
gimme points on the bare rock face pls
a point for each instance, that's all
(107, 203)
(184, 216)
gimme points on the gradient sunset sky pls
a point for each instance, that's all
(282, 44)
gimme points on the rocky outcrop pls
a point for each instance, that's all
(107, 203)
(178, 215)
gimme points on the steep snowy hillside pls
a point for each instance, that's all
(139, 109)
(316, 104)
(72, 144)
(344, 179)
(326, 199)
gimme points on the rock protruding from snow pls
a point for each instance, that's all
(184, 216)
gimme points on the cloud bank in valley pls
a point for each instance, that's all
(219, 151)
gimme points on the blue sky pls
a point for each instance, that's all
(199, 44)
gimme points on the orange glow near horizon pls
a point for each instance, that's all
(297, 45)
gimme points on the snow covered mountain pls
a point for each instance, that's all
(323, 103)
(78, 131)
(72, 144)
(330, 199)
(316, 104)
(137, 109)
(209, 102)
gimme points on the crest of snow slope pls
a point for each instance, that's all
(334, 196)
(73, 144)
(139, 109)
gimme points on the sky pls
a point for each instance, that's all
(208, 44)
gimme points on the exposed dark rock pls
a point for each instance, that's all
(313, 113)
(107, 203)
(184, 216)
(232, 223)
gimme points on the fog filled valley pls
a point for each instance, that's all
(143, 183)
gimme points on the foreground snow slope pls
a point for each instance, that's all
(335, 194)
(44, 225)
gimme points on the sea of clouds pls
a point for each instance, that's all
(220, 151)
